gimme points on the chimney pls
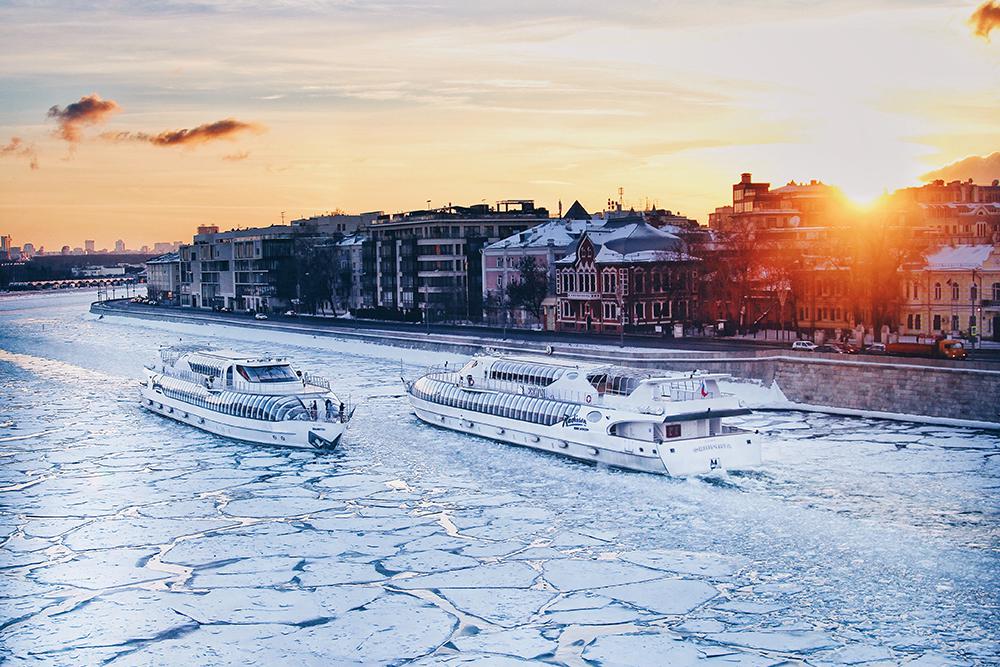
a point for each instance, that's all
(745, 177)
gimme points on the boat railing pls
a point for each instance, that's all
(170, 357)
(187, 376)
(241, 386)
(683, 389)
(530, 390)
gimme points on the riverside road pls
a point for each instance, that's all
(497, 334)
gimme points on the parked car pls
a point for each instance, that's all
(875, 348)
(831, 348)
(804, 345)
(260, 316)
(290, 313)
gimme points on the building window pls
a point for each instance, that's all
(656, 282)
(937, 291)
(996, 291)
(640, 311)
(954, 322)
(640, 282)
(610, 312)
(937, 323)
(916, 322)
(567, 309)
(909, 321)
(954, 292)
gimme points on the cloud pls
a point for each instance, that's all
(979, 169)
(89, 110)
(17, 148)
(237, 157)
(227, 128)
(985, 18)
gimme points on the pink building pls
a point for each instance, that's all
(547, 243)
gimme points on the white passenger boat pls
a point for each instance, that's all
(652, 422)
(256, 399)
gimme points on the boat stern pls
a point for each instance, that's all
(735, 450)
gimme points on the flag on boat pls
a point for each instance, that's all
(704, 391)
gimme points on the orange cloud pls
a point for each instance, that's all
(979, 169)
(89, 110)
(17, 148)
(985, 18)
(220, 129)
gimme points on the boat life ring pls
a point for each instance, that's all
(589, 399)
(472, 382)
(548, 349)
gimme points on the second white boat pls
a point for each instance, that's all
(667, 424)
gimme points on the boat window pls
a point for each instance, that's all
(276, 373)
(672, 431)
(593, 416)
(229, 376)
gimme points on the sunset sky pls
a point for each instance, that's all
(220, 112)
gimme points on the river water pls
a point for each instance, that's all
(129, 539)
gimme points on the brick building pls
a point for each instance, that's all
(626, 274)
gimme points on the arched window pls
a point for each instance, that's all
(996, 291)
(656, 281)
(954, 291)
(937, 291)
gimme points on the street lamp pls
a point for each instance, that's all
(620, 295)
(973, 297)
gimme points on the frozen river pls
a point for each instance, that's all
(129, 539)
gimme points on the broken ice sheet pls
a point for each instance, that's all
(504, 607)
(431, 560)
(664, 596)
(109, 620)
(501, 575)
(521, 642)
(392, 629)
(571, 574)
(802, 641)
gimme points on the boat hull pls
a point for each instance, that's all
(737, 450)
(313, 435)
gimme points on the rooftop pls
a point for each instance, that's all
(169, 258)
(959, 257)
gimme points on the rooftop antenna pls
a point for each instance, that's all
(282, 217)
(621, 198)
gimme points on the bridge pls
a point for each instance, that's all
(74, 283)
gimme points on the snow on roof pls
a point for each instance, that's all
(632, 239)
(168, 258)
(352, 240)
(959, 257)
(560, 232)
